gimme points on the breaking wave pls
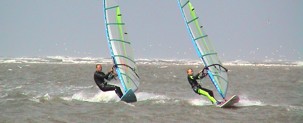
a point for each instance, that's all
(91, 60)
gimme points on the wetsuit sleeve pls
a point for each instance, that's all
(102, 75)
(197, 76)
(110, 76)
(203, 75)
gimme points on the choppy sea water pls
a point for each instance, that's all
(65, 92)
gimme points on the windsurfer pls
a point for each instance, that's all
(99, 77)
(198, 88)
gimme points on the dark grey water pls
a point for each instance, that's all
(59, 93)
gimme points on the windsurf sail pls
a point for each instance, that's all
(120, 46)
(203, 46)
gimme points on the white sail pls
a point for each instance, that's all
(204, 48)
(120, 46)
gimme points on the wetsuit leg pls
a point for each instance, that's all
(109, 87)
(209, 91)
(118, 91)
(207, 94)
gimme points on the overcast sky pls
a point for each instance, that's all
(253, 30)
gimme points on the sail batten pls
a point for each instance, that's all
(185, 4)
(119, 40)
(120, 46)
(111, 7)
(122, 56)
(192, 20)
(207, 54)
(204, 48)
(115, 23)
(200, 37)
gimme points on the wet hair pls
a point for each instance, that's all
(98, 64)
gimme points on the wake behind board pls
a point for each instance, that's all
(230, 102)
(129, 96)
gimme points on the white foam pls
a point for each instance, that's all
(40, 98)
(34, 99)
(163, 62)
(299, 63)
(160, 102)
(56, 60)
(294, 108)
(109, 96)
(18, 87)
(3, 95)
(46, 97)
(199, 102)
(244, 101)
(143, 96)
(8, 61)
(238, 62)
(73, 87)
(163, 66)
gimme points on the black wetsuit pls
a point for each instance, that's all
(99, 79)
(195, 85)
